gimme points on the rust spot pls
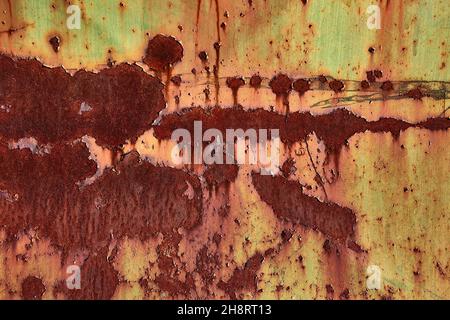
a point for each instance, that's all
(330, 291)
(387, 86)
(176, 80)
(370, 76)
(301, 86)
(55, 43)
(99, 280)
(32, 288)
(203, 55)
(163, 52)
(234, 83)
(286, 235)
(281, 84)
(378, 74)
(255, 81)
(365, 84)
(336, 85)
(207, 264)
(345, 295)
(415, 94)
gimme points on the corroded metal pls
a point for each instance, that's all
(87, 178)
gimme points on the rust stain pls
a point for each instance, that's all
(87, 176)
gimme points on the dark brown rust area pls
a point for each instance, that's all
(336, 85)
(32, 288)
(415, 94)
(125, 202)
(47, 103)
(334, 128)
(98, 278)
(301, 86)
(288, 168)
(55, 43)
(234, 83)
(289, 202)
(255, 81)
(281, 84)
(216, 175)
(163, 52)
(387, 86)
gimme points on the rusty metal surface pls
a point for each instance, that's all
(87, 177)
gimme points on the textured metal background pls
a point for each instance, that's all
(240, 243)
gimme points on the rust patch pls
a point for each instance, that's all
(301, 86)
(125, 201)
(387, 86)
(281, 85)
(216, 175)
(163, 52)
(124, 100)
(415, 94)
(329, 218)
(234, 83)
(99, 279)
(334, 128)
(336, 85)
(243, 278)
(32, 288)
(255, 81)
